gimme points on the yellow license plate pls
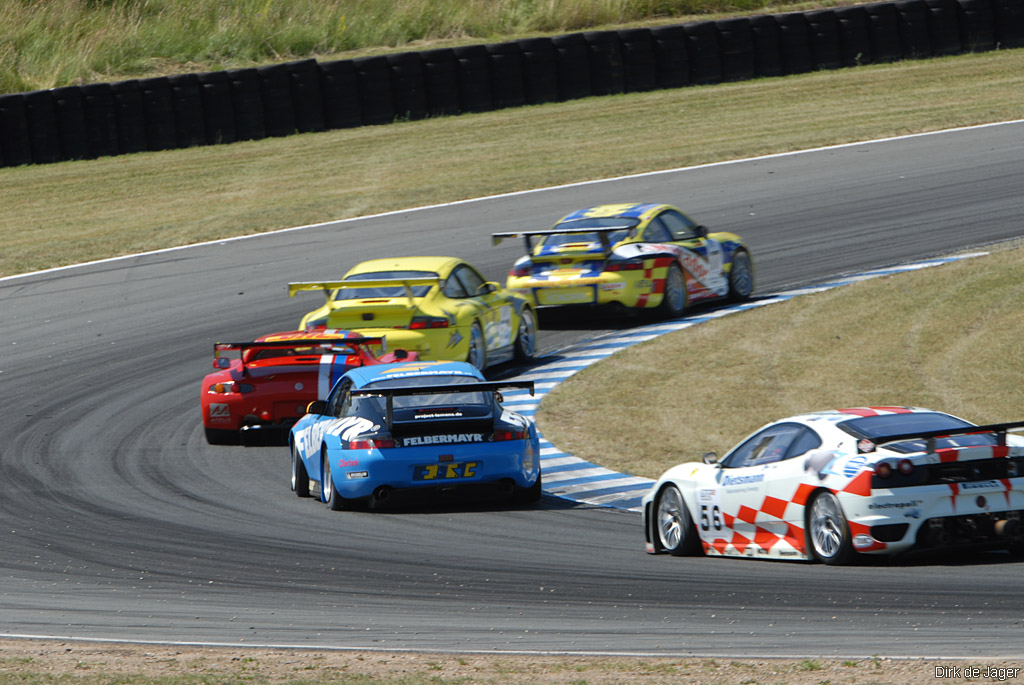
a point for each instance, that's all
(445, 471)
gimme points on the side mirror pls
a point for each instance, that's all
(316, 407)
(486, 288)
(221, 363)
(702, 231)
(710, 457)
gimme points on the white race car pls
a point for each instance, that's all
(829, 485)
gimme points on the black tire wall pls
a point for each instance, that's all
(162, 113)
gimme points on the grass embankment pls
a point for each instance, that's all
(67, 42)
(947, 338)
(89, 210)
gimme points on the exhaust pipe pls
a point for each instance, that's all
(382, 494)
(507, 487)
(1009, 528)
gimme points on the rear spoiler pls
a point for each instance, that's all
(328, 286)
(1000, 429)
(601, 232)
(390, 393)
(289, 344)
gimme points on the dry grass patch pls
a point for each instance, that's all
(948, 338)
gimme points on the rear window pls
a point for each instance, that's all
(383, 292)
(877, 428)
(434, 400)
(626, 226)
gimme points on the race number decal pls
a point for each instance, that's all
(709, 514)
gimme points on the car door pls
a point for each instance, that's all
(309, 440)
(749, 502)
(493, 307)
(702, 257)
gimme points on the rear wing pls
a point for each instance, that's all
(390, 393)
(328, 286)
(1000, 429)
(289, 344)
(602, 234)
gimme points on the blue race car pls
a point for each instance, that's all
(414, 428)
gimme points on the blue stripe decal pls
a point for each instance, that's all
(563, 364)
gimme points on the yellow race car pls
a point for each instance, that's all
(439, 307)
(644, 256)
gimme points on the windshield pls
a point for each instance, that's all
(877, 428)
(386, 291)
(626, 225)
(433, 400)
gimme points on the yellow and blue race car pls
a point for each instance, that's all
(644, 256)
(439, 307)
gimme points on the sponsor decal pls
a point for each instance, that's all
(865, 445)
(453, 414)
(742, 480)
(644, 284)
(706, 494)
(299, 386)
(442, 439)
(220, 411)
(854, 466)
(513, 418)
(985, 484)
(608, 287)
(895, 505)
(862, 541)
(344, 463)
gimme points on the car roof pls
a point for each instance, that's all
(642, 211)
(365, 375)
(312, 334)
(439, 265)
(834, 416)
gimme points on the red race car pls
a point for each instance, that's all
(255, 397)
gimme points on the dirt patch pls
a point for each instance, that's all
(45, 660)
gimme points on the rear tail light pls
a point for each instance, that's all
(905, 467)
(423, 322)
(370, 443)
(230, 388)
(624, 266)
(883, 469)
(502, 435)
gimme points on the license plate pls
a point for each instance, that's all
(451, 471)
(565, 296)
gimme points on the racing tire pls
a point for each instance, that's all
(673, 299)
(329, 493)
(828, 534)
(300, 478)
(219, 436)
(526, 336)
(531, 494)
(477, 354)
(741, 277)
(673, 526)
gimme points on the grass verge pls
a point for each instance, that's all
(89, 210)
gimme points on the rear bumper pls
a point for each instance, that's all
(359, 473)
(937, 516)
(627, 288)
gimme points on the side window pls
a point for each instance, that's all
(471, 280)
(340, 400)
(656, 232)
(453, 287)
(679, 225)
(770, 445)
(806, 441)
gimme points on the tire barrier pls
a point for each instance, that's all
(185, 110)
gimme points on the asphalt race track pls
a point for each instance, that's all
(118, 521)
